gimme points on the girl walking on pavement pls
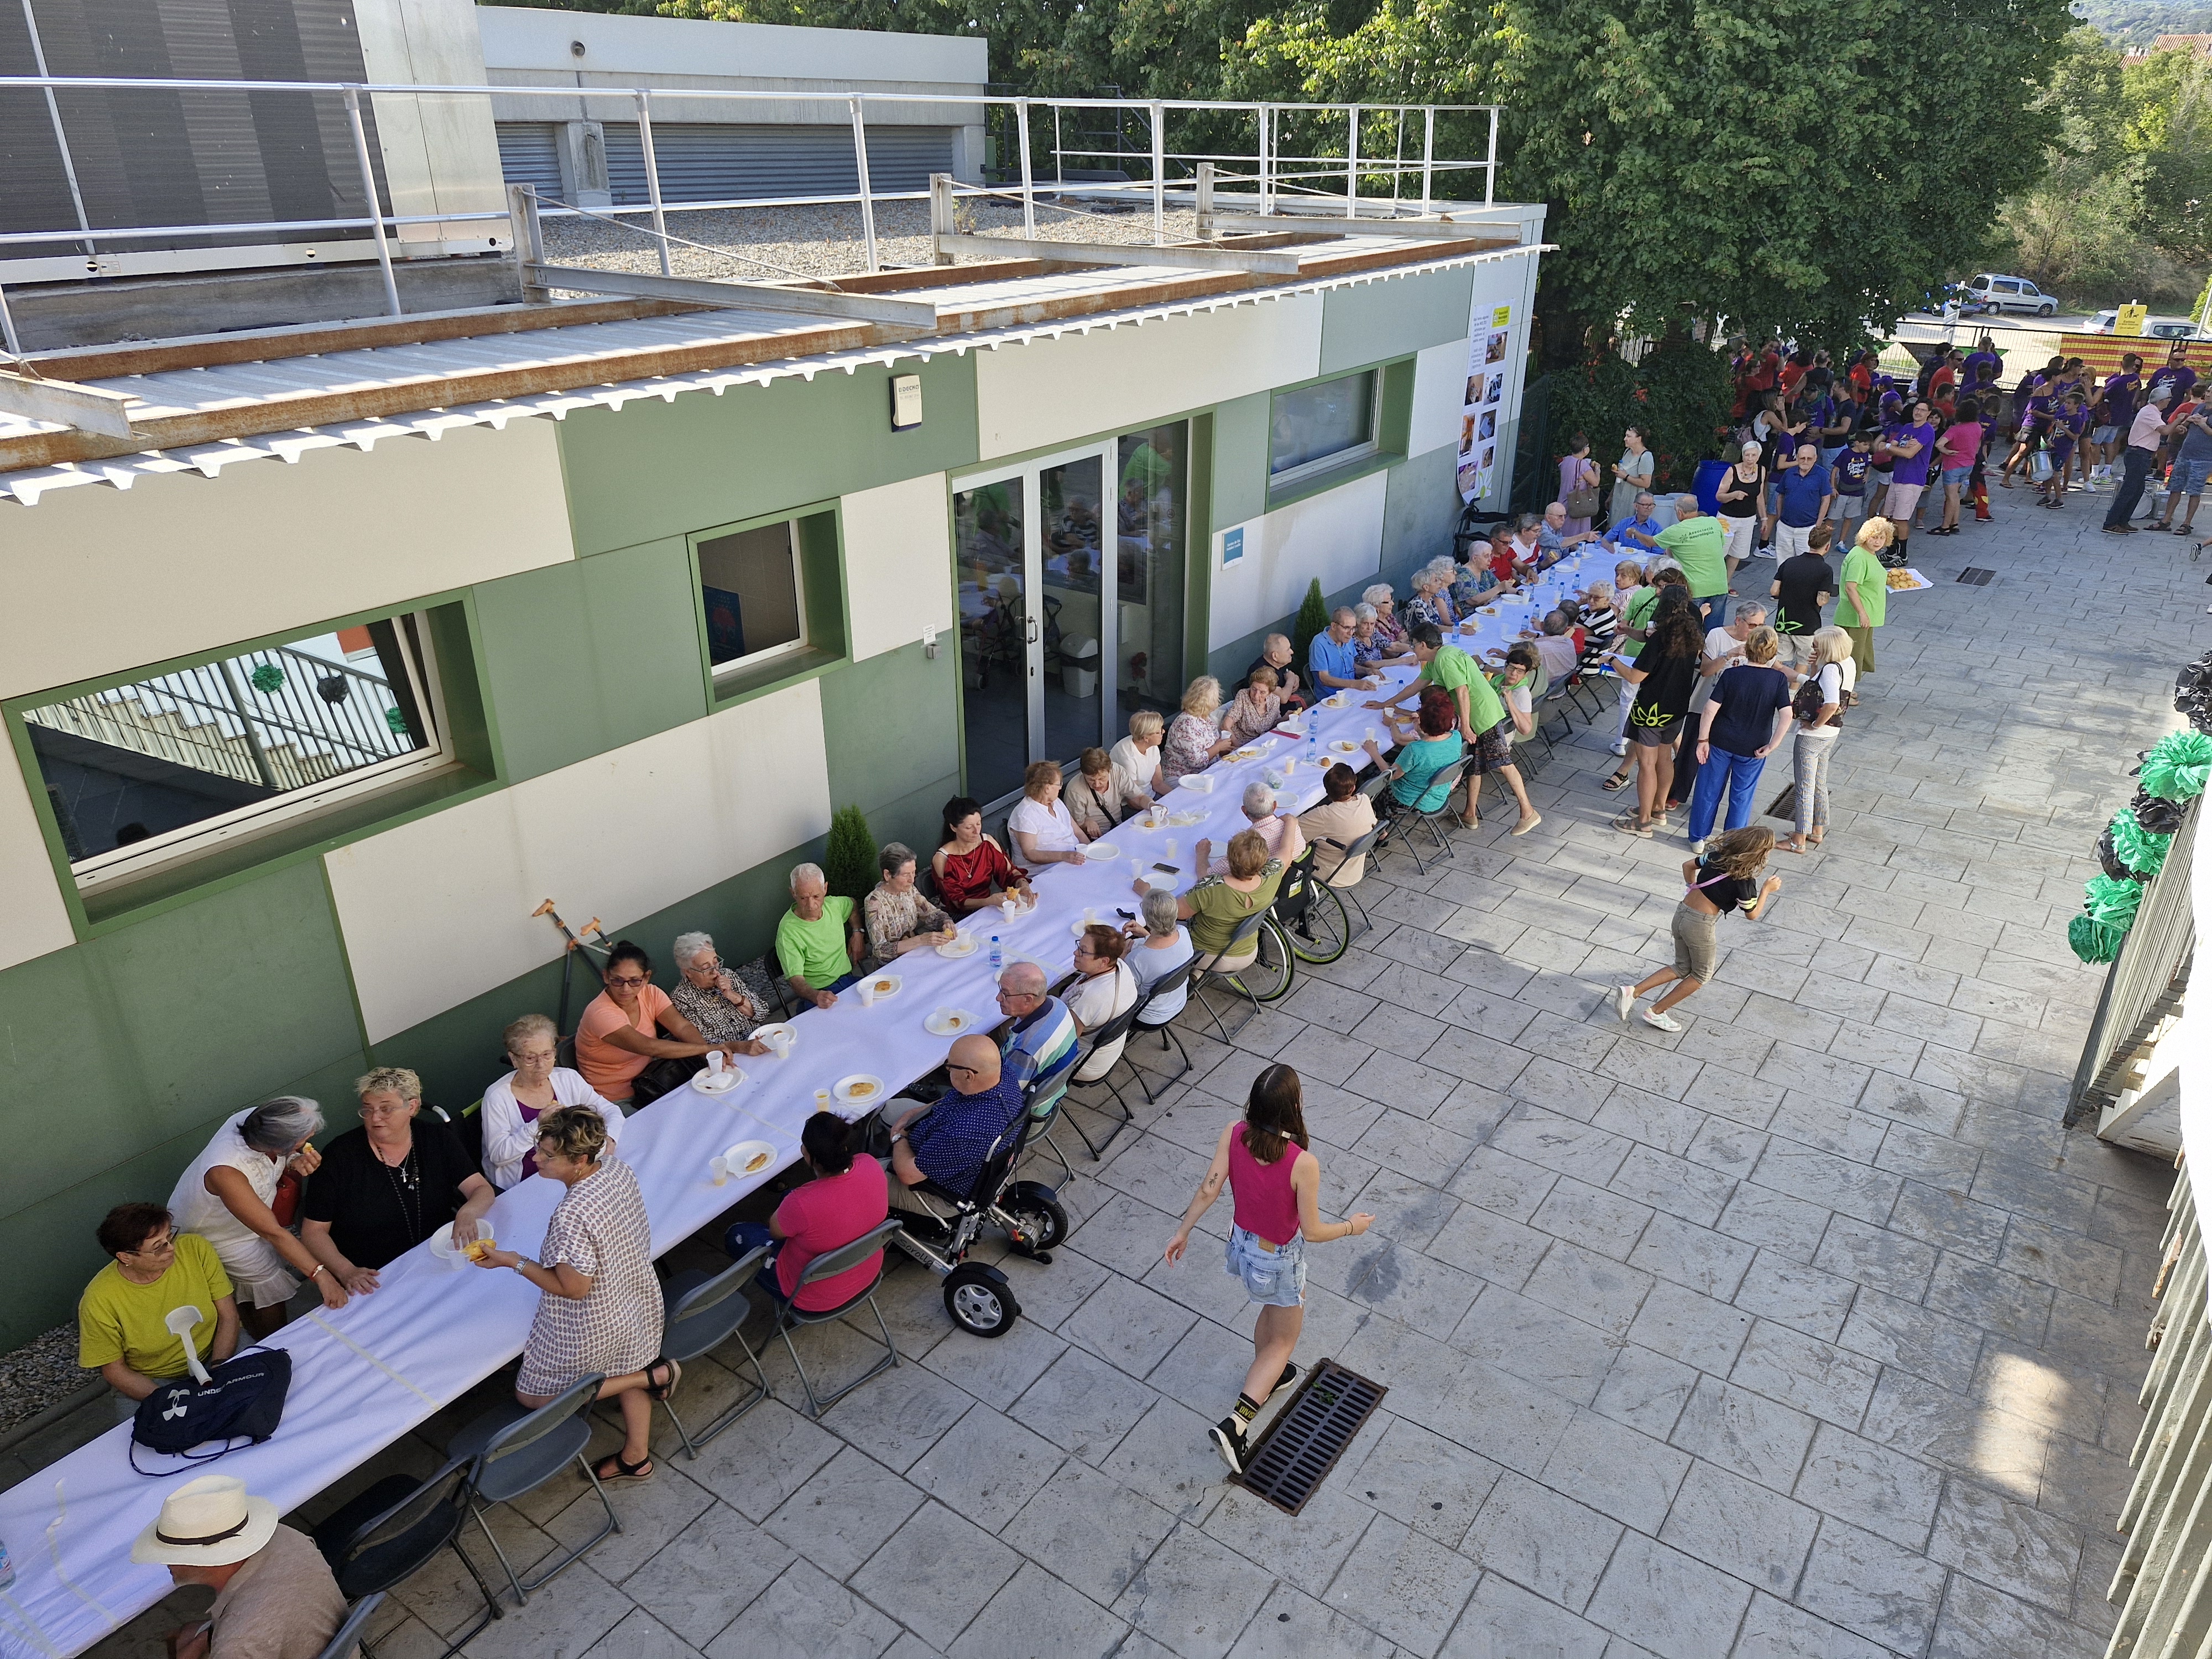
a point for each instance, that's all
(1274, 1182)
(1722, 879)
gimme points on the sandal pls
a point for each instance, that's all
(1618, 780)
(610, 1470)
(1629, 825)
(661, 1391)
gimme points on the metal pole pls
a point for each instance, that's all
(1397, 161)
(1029, 192)
(375, 208)
(238, 699)
(1059, 173)
(1267, 181)
(1428, 157)
(940, 216)
(54, 115)
(1351, 168)
(867, 197)
(8, 328)
(1159, 175)
(1490, 167)
(1205, 200)
(652, 176)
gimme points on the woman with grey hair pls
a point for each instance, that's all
(711, 997)
(1431, 603)
(1166, 947)
(228, 1197)
(1388, 628)
(900, 918)
(1370, 650)
(513, 1104)
(1286, 841)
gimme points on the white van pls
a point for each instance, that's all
(2011, 293)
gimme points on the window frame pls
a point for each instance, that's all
(818, 537)
(1336, 460)
(746, 665)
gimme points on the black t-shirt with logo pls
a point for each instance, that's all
(1803, 579)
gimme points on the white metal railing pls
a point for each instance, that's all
(1292, 155)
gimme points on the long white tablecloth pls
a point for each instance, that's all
(365, 1375)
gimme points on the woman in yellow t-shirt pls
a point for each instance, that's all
(122, 1319)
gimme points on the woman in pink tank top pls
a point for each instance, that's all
(1274, 1184)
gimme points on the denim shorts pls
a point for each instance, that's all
(2103, 435)
(2188, 476)
(1277, 1278)
(1957, 475)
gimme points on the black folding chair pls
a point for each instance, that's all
(1172, 981)
(704, 1310)
(377, 1541)
(1116, 1029)
(829, 1265)
(1400, 821)
(513, 1450)
(1360, 849)
(1205, 974)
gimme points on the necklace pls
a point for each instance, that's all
(406, 1189)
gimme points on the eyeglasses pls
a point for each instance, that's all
(617, 979)
(965, 1070)
(163, 1246)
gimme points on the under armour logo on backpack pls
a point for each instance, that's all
(180, 1400)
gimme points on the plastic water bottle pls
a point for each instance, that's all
(1313, 743)
(998, 959)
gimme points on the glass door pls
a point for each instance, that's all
(991, 549)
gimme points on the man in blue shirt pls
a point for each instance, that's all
(1333, 656)
(948, 1142)
(1801, 494)
(1645, 523)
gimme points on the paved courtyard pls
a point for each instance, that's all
(1806, 1332)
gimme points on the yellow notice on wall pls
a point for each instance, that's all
(1502, 316)
(2130, 319)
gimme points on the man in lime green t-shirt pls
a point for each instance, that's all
(1480, 715)
(1699, 545)
(1864, 605)
(817, 943)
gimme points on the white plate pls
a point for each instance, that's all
(887, 985)
(1342, 746)
(1336, 701)
(966, 945)
(1184, 820)
(779, 1028)
(1078, 925)
(1102, 850)
(441, 1242)
(1240, 756)
(708, 1083)
(738, 1156)
(961, 1021)
(1197, 782)
(859, 1090)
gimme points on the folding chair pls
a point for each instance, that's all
(1205, 975)
(382, 1538)
(829, 1265)
(512, 1449)
(1116, 1029)
(1349, 891)
(704, 1310)
(1173, 981)
(1042, 1096)
(347, 1637)
(1401, 820)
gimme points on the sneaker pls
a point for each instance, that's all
(1624, 1001)
(1620, 747)
(1228, 1440)
(1696, 849)
(1657, 1022)
(1290, 1376)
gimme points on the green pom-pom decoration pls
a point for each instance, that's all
(2112, 902)
(2140, 850)
(266, 679)
(2092, 941)
(2178, 765)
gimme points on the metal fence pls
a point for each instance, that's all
(2145, 983)
(1346, 160)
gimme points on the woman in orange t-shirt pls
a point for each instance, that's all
(615, 1039)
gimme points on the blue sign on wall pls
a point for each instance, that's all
(1232, 546)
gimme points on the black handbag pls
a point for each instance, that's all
(240, 1404)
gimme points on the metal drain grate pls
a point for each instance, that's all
(1975, 576)
(1301, 1446)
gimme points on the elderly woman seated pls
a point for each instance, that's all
(1104, 989)
(817, 943)
(621, 1047)
(388, 1185)
(226, 1197)
(122, 1318)
(711, 997)
(899, 918)
(1342, 817)
(972, 870)
(1218, 905)
(1042, 827)
(512, 1104)
(1193, 740)
(1371, 650)
(1388, 630)
(1136, 758)
(1255, 710)
(1165, 946)
(1094, 797)
(846, 1198)
(1285, 840)
(1432, 600)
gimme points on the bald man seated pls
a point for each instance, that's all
(947, 1142)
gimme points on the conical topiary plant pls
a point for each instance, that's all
(1313, 617)
(848, 863)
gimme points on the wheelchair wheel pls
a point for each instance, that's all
(1324, 933)
(978, 1303)
(1040, 1223)
(1269, 976)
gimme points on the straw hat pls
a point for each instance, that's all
(207, 1523)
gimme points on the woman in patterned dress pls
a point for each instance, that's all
(600, 1309)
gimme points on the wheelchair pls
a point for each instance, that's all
(978, 1296)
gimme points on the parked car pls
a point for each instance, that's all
(2000, 293)
(2154, 328)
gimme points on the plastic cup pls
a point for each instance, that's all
(821, 1100)
(780, 1043)
(866, 990)
(1167, 848)
(715, 1059)
(719, 1167)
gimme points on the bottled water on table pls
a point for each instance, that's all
(997, 958)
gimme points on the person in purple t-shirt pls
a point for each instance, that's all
(2068, 423)
(2121, 391)
(1909, 443)
(2176, 373)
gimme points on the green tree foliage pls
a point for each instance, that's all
(1679, 394)
(1313, 618)
(848, 862)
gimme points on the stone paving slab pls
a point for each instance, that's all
(1807, 1331)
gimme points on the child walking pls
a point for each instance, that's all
(1724, 876)
(1274, 1182)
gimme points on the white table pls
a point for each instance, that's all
(368, 1373)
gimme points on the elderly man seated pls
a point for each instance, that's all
(947, 1141)
(1276, 653)
(1285, 839)
(122, 1319)
(1334, 657)
(1554, 539)
(1555, 646)
(1636, 535)
(818, 943)
(1039, 1034)
(274, 1592)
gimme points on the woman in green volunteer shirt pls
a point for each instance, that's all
(1483, 721)
(1864, 603)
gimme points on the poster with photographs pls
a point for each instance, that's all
(1489, 352)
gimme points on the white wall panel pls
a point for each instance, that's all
(32, 918)
(898, 564)
(1336, 536)
(1055, 390)
(438, 910)
(1439, 389)
(183, 564)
